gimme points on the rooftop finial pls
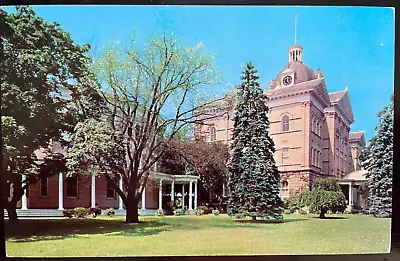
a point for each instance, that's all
(295, 27)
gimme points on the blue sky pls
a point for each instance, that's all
(354, 46)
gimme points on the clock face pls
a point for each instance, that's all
(287, 80)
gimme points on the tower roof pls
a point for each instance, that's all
(302, 73)
(337, 96)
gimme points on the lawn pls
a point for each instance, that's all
(198, 235)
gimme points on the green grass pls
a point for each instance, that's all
(198, 235)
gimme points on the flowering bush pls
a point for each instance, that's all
(80, 212)
(199, 211)
(96, 211)
(68, 213)
(160, 212)
(179, 212)
(215, 212)
(110, 212)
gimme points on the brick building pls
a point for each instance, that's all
(309, 126)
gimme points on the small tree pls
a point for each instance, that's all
(254, 176)
(207, 160)
(378, 160)
(324, 195)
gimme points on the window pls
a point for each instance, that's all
(110, 190)
(43, 186)
(285, 189)
(285, 155)
(213, 133)
(72, 187)
(318, 158)
(312, 123)
(285, 123)
(319, 128)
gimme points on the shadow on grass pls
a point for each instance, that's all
(268, 221)
(330, 218)
(40, 230)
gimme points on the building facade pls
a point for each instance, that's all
(309, 126)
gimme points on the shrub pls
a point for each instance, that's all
(215, 212)
(206, 210)
(325, 195)
(159, 212)
(302, 212)
(347, 212)
(287, 211)
(329, 212)
(110, 212)
(80, 212)
(179, 212)
(199, 211)
(68, 213)
(96, 211)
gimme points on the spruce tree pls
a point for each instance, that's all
(254, 177)
(379, 162)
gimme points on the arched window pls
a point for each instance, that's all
(317, 128)
(285, 123)
(284, 189)
(213, 133)
(317, 158)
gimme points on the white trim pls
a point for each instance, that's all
(60, 192)
(93, 190)
(120, 202)
(190, 195)
(24, 198)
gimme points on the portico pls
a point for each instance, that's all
(188, 199)
(350, 184)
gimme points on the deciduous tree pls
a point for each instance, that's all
(151, 93)
(46, 88)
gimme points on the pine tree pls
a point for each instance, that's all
(379, 162)
(254, 177)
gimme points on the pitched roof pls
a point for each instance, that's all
(337, 96)
(356, 135)
(358, 175)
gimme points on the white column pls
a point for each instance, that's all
(350, 195)
(190, 195)
(24, 198)
(195, 195)
(93, 190)
(121, 203)
(173, 192)
(60, 192)
(160, 195)
(183, 195)
(144, 199)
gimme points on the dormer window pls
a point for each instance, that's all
(285, 123)
(213, 133)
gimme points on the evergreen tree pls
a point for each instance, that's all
(254, 177)
(379, 162)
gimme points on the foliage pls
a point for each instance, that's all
(325, 195)
(110, 212)
(206, 209)
(80, 212)
(179, 212)
(215, 212)
(199, 211)
(378, 160)
(207, 160)
(68, 213)
(46, 87)
(152, 92)
(254, 177)
(96, 211)
(160, 212)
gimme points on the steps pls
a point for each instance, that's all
(37, 213)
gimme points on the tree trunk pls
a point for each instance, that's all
(322, 214)
(253, 218)
(12, 215)
(132, 214)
